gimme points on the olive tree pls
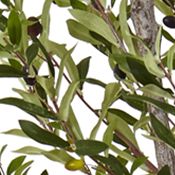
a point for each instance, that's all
(131, 41)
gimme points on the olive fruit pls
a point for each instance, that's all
(118, 73)
(54, 2)
(169, 21)
(74, 165)
(30, 81)
(35, 28)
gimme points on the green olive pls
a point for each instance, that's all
(74, 164)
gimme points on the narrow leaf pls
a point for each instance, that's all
(66, 101)
(15, 132)
(29, 107)
(112, 91)
(80, 32)
(31, 150)
(93, 24)
(42, 136)
(164, 170)
(9, 71)
(15, 164)
(60, 156)
(83, 67)
(23, 167)
(2, 151)
(114, 164)
(137, 163)
(60, 50)
(156, 91)
(46, 54)
(162, 132)
(32, 52)
(161, 105)
(14, 27)
(89, 147)
(124, 26)
(45, 172)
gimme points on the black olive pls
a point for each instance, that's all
(35, 28)
(30, 81)
(169, 21)
(118, 73)
(54, 2)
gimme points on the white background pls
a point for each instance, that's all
(98, 68)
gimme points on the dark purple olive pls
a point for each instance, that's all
(30, 81)
(35, 28)
(169, 21)
(118, 73)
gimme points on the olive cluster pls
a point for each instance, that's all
(169, 21)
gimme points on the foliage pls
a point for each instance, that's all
(25, 46)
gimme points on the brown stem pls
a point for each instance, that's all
(167, 75)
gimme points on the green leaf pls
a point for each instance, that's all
(60, 156)
(45, 172)
(164, 170)
(83, 67)
(29, 107)
(64, 60)
(6, 2)
(15, 64)
(80, 32)
(62, 3)
(42, 136)
(32, 52)
(65, 105)
(162, 132)
(114, 164)
(112, 91)
(47, 84)
(60, 51)
(163, 7)
(93, 24)
(46, 54)
(15, 164)
(9, 71)
(22, 168)
(31, 150)
(152, 65)
(123, 115)
(121, 126)
(3, 22)
(156, 91)
(95, 82)
(143, 121)
(73, 123)
(168, 36)
(137, 163)
(158, 43)
(89, 147)
(170, 58)
(2, 151)
(78, 5)
(18, 5)
(14, 27)
(45, 21)
(124, 26)
(161, 105)
(15, 132)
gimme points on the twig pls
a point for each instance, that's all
(167, 75)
